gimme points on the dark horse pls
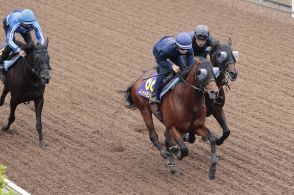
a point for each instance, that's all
(183, 110)
(225, 58)
(26, 81)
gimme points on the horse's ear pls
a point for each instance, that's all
(215, 46)
(46, 42)
(230, 41)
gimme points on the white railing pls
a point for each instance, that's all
(285, 3)
(292, 8)
(15, 189)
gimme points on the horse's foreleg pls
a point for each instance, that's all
(11, 119)
(147, 116)
(221, 119)
(38, 110)
(3, 95)
(168, 153)
(213, 160)
(176, 136)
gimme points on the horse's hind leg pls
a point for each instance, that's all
(38, 110)
(11, 119)
(147, 116)
(3, 95)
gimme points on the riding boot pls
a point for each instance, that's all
(156, 90)
(154, 98)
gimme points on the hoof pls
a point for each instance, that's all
(168, 160)
(184, 152)
(43, 144)
(218, 142)
(173, 170)
(191, 138)
(176, 151)
(211, 177)
(212, 170)
(5, 128)
(185, 137)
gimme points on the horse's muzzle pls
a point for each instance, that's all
(45, 80)
(213, 94)
(233, 75)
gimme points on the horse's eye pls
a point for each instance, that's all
(222, 56)
(202, 74)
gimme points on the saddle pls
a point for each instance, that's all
(146, 88)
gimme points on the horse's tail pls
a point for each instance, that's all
(128, 97)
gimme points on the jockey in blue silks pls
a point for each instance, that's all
(169, 49)
(20, 21)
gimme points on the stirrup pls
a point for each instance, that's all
(153, 100)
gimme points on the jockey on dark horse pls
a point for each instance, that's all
(19, 21)
(202, 41)
(167, 49)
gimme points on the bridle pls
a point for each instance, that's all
(35, 68)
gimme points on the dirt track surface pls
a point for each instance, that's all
(96, 146)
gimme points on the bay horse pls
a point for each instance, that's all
(225, 58)
(183, 110)
(26, 81)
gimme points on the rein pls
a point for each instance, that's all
(197, 89)
(38, 84)
(189, 84)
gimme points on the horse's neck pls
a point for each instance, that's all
(23, 67)
(186, 92)
(214, 62)
(219, 80)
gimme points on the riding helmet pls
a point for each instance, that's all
(27, 17)
(184, 41)
(201, 32)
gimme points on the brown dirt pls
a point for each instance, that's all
(96, 146)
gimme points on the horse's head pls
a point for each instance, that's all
(40, 65)
(224, 57)
(206, 80)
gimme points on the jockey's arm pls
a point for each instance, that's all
(190, 58)
(38, 33)
(10, 37)
(163, 63)
(181, 63)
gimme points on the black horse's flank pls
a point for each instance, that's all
(26, 81)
